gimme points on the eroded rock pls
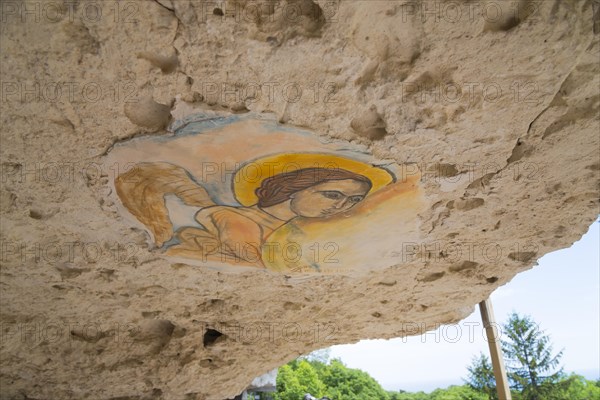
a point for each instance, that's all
(456, 91)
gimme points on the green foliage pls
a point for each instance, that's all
(333, 380)
(481, 377)
(408, 396)
(350, 384)
(296, 379)
(573, 387)
(288, 386)
(457, 393)
(308, 379)
(531, 366)
(338, 382)
(452, 393)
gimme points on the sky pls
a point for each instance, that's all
(562, 294)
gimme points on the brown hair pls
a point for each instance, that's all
(278, 188)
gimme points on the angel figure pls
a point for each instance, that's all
(271, 192)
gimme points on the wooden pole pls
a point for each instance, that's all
(489, 323)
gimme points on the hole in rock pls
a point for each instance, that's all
(210, 337)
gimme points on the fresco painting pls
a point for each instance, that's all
(239, 192)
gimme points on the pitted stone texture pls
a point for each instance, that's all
(501, 118)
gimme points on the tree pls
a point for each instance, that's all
(288, 387)
(531, 366)
(308, 379)
(573, 387)
(457, 393)
(481, 377)
(408, 396)
(296, 379)
(344, 383)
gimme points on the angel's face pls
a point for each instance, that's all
(328, 198)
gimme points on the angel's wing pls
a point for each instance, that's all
(143, 188)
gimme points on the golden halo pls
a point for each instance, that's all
(250, 176)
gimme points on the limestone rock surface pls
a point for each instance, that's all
(496, 104)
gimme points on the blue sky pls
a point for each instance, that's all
(562, 294)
